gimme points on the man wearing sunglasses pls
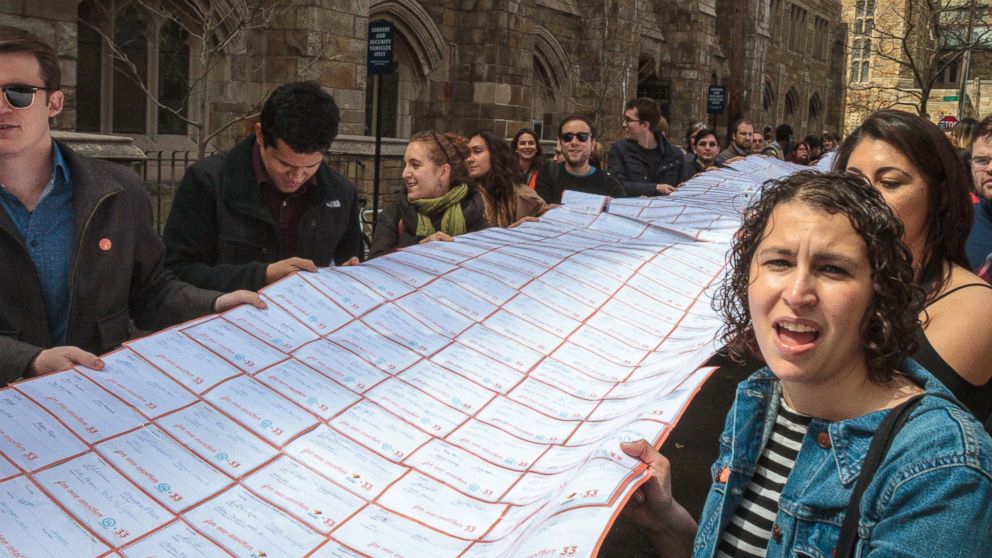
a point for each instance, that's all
(577, 137)
(271, 205)
(79, 258)
(645, 161)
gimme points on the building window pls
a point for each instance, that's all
(658, 89)
(130, 102)
(864, 71)
(173, 79)
(131, 56)
(89, 63)
(389, 102)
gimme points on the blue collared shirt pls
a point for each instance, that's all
(47, 235)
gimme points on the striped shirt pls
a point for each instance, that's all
(751, 526)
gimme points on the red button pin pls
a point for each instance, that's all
(105, 244)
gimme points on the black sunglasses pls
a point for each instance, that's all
(569, 136)
(20, 96)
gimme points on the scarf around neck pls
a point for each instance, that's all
(448, 206)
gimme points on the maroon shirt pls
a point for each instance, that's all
(287, 209)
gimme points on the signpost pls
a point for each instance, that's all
(947, 122)
(380, 63)
(716, 99)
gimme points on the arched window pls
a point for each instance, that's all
(814, 114)
(791, 106)
(89, 66)
(130, 102)
(173, 78)
(864, 71)
(767, 97)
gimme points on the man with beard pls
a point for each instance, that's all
(645, 162)
(979, 244)
(578, 139)
(740, 143)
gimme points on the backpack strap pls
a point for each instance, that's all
(880, 443)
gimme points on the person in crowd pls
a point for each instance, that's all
(829, 141)
(908, 159)
(812, 141)
(740, 143)
(801, 154)
(979, 243)
(690, 137)
(80, 255)
(963, 136)
(769, 134)
(821, 286)
(645, 161)
(558, 156)
(490, 166)
(438, 203)
(757, 143)
(577, 136)
(662, 124)
(781, 146)
(270, 206)
(707, 148)
(527, 149)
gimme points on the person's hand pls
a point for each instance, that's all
(527, 219)
(237, 298)
(439, 235)
(278, 270)
(61, 358)
(647, 507)
(651, 507)
(351, 261)
(664, 189)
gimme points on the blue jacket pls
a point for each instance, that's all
(932, 494)
(979, 244)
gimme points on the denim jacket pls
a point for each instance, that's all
(931, 496)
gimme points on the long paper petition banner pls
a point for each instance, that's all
(460, 398)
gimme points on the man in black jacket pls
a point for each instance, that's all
(645, 161)
(271, 205)
(79, 258)
(577, 136)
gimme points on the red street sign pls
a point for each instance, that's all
(947, 122)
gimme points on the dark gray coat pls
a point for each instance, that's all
(107, 288)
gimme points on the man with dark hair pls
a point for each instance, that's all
(80, 258)
(778, 148)
(271, 205)
(740, 143)
(979, 244)
(577, 136)
(645, 161)
(705, 152)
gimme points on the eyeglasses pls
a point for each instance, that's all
(20, 96)
(627, 120)
(980, 163)
(581, 136)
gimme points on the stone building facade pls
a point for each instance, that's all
(878, 74)
(460, 64)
